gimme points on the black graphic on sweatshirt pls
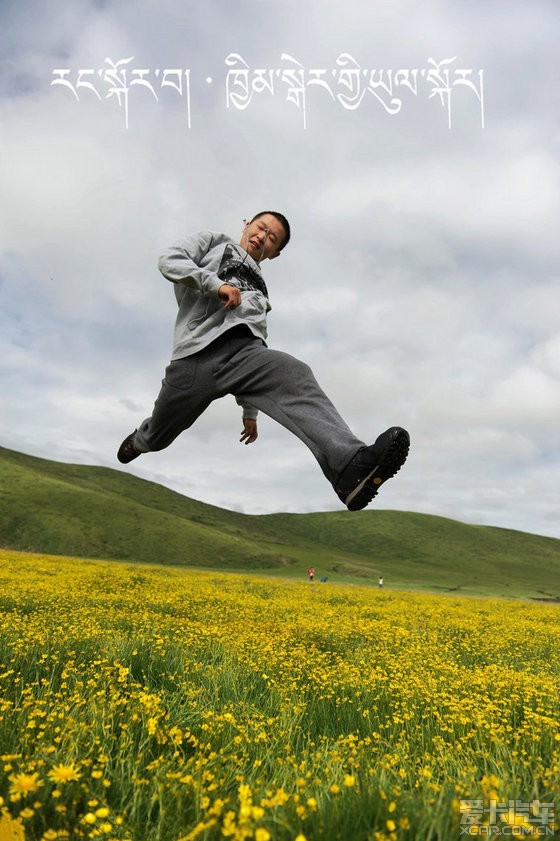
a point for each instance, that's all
(233, 267)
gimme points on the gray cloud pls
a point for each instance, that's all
(420, 283)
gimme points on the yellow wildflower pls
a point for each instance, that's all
(10, 829)
(24, 783)
(64, 773)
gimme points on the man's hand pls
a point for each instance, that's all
(230, 296)
(249, 433)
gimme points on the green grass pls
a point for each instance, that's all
(96, 512)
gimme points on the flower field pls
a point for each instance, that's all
(161, 704)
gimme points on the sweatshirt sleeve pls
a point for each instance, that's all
(249, 412)
(181, 264)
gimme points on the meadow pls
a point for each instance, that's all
(166, 704)
(96, 512)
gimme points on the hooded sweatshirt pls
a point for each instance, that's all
(198, 265)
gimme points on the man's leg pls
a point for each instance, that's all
(282, 387)
(185, 394)
(189, 386)
(186, 391)
(285, 388)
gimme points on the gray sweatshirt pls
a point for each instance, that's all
(198, 265)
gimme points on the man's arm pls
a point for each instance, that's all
(249, 433)
(181, 264)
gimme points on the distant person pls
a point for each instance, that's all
(380, 581)
(324, 579)
(219, 348)
(311, 574)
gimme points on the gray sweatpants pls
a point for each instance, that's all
(274, 382)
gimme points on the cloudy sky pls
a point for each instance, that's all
(422, 280)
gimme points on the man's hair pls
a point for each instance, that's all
(283, 221)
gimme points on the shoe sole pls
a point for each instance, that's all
(123, 455)
(391, 460)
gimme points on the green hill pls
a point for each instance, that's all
(96, 512)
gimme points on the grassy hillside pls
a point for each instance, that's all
(67, 509)
(96, 512)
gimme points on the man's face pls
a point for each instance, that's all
(263, 237)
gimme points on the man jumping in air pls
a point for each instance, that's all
(220, 348)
